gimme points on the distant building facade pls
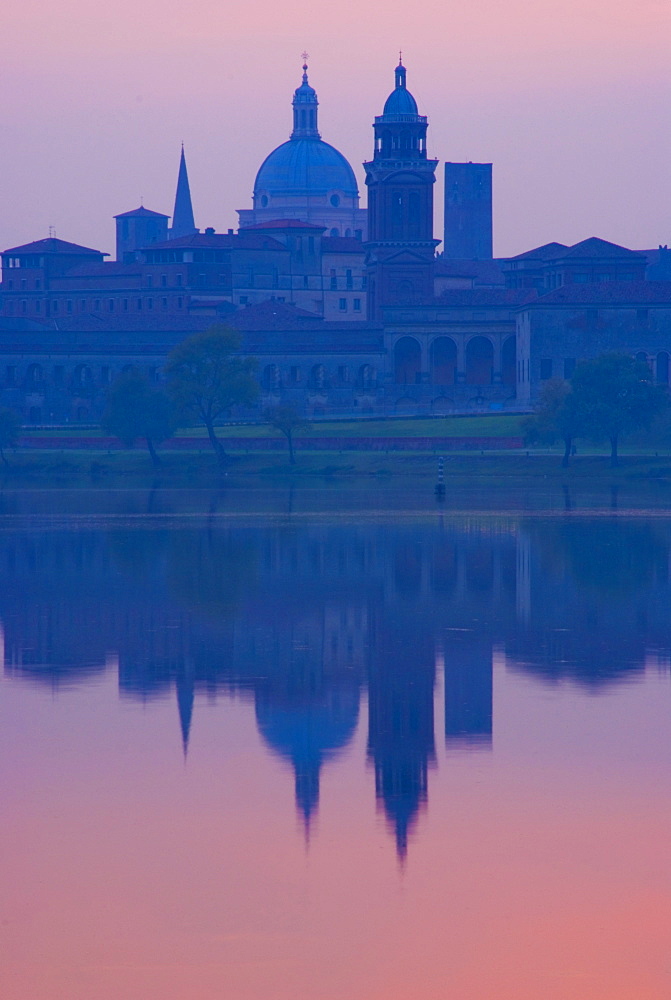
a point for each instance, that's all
(468, 211)
(347, 313)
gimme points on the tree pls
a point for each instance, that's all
(614, 395)
(554, 417)
(136, 410)
(206, 377)
(287, 420)
(9, 431)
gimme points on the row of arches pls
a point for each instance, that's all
(443, 367)
(36, 379)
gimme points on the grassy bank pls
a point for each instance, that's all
(488, 425)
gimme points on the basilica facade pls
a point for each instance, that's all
(348, 310)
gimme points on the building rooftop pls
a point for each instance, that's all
(53, 245)
(219, 241)
(141, 213)
(605, 293)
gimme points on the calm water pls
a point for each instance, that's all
(306, 746)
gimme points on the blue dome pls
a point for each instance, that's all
(400, 102)
(302, 167)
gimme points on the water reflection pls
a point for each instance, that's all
(305, 619)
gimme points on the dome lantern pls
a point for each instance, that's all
(305, 106)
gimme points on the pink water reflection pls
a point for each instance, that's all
(538, 869)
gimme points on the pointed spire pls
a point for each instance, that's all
(182, 216)
(184, 686)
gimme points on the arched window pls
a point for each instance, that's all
(34, 376)
(663, 368)
(407, 361)
(479, 361)
(366, 377)
(318, 377)
(443, 356)
(271, 378)
(414, 213)
(83, 376)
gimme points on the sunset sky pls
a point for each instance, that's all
(569, 101)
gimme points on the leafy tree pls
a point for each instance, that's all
(136, 410)
(206, 377)
(287, 420)
(614, 395)
(554, 417)
(9, 431)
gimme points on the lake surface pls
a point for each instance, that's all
(348, 746)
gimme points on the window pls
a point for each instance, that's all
(334, 280)
(348, 279)
(38, 284)
(342, 305)
(306, 281)
(343, 373)
(38, 306)
(110, 305)
(569, 367)
(96, 305)
(357, 305)
(104, 375)
(59, 374)
(150, 303)
(295, 373)
(150, 281)
(164, 302)
(364, 282)
(546, 368)
(68, 305)
(23, 284)
(335, 200)
(125, 305)
(178, 279)
(24, 305)
(10, 284)
(311, 244)
(10, 375)
(139, 303)
(82, 305)
(164, 280)
(179, 301)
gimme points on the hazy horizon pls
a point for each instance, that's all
(568, 109)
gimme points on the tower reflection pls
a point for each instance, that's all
(303, 616)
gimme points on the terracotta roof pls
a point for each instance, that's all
(481, 298)
(142, 213)
(595, 248)
(282, 224)
(342, 244)
(53, 245)
(219, 241)
(604, 293)
(274, 314)
(482, 271)
(546, 252)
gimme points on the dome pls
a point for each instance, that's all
(400, 102)
(303, 167)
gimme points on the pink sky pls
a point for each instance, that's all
(570, 102)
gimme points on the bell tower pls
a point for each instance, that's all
(400, 178)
